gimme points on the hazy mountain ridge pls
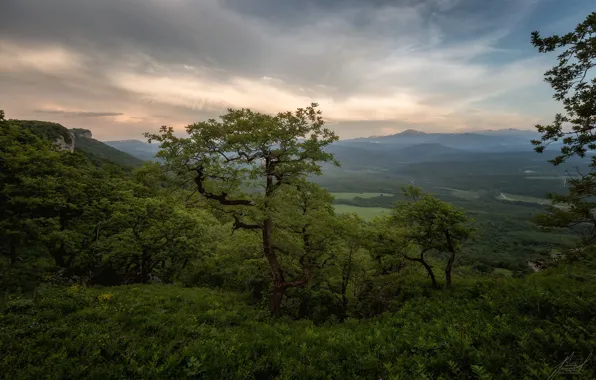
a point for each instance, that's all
(139, 149)
(410, 146)
(509, 140)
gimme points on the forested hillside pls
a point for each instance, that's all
(245, 251)
(83, 141)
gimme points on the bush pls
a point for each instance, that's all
(504, 328)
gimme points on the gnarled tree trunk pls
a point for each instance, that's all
(427, 266)
(277, 293)
(449, 267)
(429, 270)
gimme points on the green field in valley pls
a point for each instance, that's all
(351, 196)
(363, 212)
(463, 194)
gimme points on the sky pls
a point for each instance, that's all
(376, 67)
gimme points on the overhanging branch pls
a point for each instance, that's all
(238, 224)
(222, 198)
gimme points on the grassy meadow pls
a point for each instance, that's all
(364, 195)
(364, 212)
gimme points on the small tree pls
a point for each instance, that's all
(430, 225)
(348, 260)
(383, 241)
(155, 237)
(240, 163)
(574, 84)
(304, 231)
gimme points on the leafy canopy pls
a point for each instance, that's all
(244, 163)
(230, 155)
(574, 83)
(429, 223)
(575, 86)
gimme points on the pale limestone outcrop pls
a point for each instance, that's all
(61, 143)
(85, 133)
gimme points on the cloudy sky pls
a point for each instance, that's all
(122, 67)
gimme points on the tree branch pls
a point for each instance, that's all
(238, 224)
(222, 197)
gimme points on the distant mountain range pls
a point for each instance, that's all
(139, 149)
(508, 131)
(483, 141)
(407, 146)
(413, 146)
(507, 147)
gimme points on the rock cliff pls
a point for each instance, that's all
(62, 144)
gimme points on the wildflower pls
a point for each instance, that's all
(73, 289)
(106, 297)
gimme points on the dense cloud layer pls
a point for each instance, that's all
(374, 66)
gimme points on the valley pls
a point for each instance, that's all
(493, 175)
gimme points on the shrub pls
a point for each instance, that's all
(502, 328)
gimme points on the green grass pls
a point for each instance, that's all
(350, 196)
(463, 194)
(364, 212)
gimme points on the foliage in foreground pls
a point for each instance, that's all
(574, 84)
(506, 329)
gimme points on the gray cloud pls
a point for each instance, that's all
(187, 59)
(302, 42)
(111, 31)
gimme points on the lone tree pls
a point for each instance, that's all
(428, 224)
(241, 162)
(574, 83)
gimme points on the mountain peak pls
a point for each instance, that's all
(411, 132)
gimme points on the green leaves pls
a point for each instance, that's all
(92, 221)
(424, 219)
(427, 224)
(480, 373)
(574, 85)
(147, 237)
(252, 167)
(31, 190)
(237, 152)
